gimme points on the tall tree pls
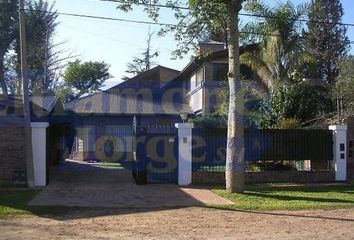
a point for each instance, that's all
(280, 41)
(192, 26)
(8, 33)
(41, 23)
(85, 77)
(344, 87)
(44, 59)
(144, 62)
(326, 39)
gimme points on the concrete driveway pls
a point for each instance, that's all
(89, 185)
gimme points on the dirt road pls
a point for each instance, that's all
(183, 223)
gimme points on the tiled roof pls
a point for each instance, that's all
(152, 78)
(46, 103)
(112, 103)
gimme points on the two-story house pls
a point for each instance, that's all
(155, 99)
(203, 82)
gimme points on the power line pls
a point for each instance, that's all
(110, 38)
(241, 14)
(103, 18)
(130, 21)
(134, 21)
(150, 4)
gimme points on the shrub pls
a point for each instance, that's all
(208, 122)
(289, 123)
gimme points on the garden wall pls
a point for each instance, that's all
(267, 177)
(12, 153)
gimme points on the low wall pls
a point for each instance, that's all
(12, 152)
(267, 177)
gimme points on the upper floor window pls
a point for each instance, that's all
(195, 80)
(220, 71)
(199, 77)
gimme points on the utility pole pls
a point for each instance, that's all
(25, 97)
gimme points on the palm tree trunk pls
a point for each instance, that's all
(2, 75)
(235, 161)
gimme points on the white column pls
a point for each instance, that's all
(184, 153)
(340, 151)
(39, 153)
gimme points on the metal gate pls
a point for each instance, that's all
(157, 154)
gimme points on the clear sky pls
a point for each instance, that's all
(118, 42)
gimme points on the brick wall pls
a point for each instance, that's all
(267, 177)
(12, 153)
(350, 152)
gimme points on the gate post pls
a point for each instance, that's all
(39, 153)
(339, 151)
(184, 153)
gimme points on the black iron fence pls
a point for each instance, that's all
(209, 146)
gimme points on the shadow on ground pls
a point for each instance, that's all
(283, 213)
(80, 190)
(298, 198)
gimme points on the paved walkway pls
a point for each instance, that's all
(84, 185)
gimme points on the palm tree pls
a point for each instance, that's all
(281, 48)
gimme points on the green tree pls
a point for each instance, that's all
(280, 42)
(300, 101)
(8, 33)
(42, 54)
(41, 23)
(326, 40)
(192, 26)
(143, 63)
(86, 77)
(344, 87)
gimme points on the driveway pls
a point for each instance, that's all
(182, 223)
(77, 184)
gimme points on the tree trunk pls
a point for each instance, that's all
(25, 99)
(2, 75)
(235, 161)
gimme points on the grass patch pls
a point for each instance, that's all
(291, 197)
(111, 165)
(14, 201)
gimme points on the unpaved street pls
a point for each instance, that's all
(183, 223)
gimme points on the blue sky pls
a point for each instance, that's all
(118, 42)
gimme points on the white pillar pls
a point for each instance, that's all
(184, 153)
(39, 153)
(340, 151)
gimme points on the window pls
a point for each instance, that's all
(187, 85)
(195, 80)
(220, 71)
(199, 77)
(139, 104)
(123, 103)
